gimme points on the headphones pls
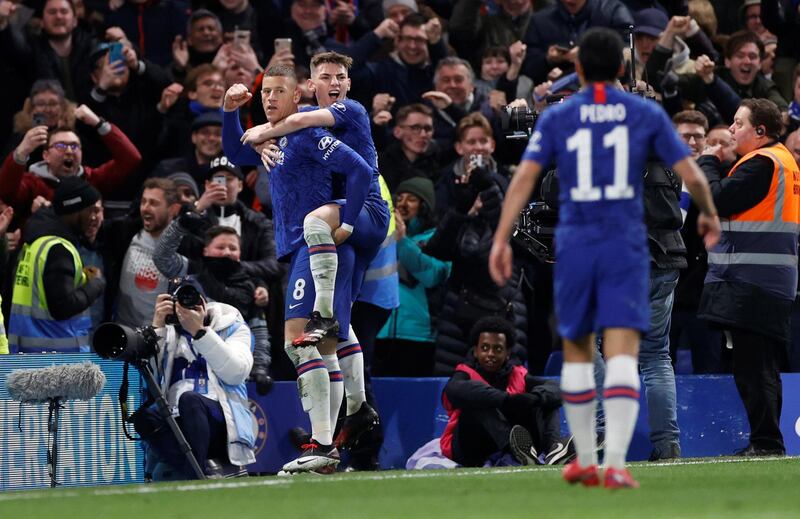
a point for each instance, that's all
(760, 131)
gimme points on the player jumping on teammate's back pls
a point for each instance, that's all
(350, 122)
(600, 140)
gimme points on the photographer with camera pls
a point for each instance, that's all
(220, 271)
(203, 355)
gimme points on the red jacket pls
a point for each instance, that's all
(19, 187)
(516, 385)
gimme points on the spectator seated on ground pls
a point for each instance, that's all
(495, 407)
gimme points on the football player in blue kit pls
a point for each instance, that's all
(301, 182)
(350, 122)
(599, 140)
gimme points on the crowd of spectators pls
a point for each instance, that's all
(127, 94)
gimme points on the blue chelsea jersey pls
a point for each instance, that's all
(600, 140)
(299, 183)
(352, 127)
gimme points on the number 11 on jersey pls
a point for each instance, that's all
(581, 143)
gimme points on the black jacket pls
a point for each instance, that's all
(64, 300)
(35, 59)
(463, 393)
(258, 243)
(555, 26)
(395, 166)
(466, 241)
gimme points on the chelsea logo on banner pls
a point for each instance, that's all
(261, 420)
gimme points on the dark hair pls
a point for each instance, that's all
(600, 54)
(218, 230)
(331, 57)
(167, 186)
(690, 117)
(61, 129)
(496, 52)
(199, 14)
(70, 2)
(281, 71)
(413, 108)
(196, 73)
(741, 38)
(413, 20)
(764, 112)
(492, 324)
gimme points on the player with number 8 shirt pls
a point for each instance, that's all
(600, 139)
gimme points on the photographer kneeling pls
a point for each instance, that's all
(203, 359)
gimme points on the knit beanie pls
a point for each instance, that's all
(388, 4)
(73, 194)
(182, 178)
(420, 187)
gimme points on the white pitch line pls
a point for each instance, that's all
(138, 489)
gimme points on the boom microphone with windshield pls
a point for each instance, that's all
(65, 382)
(53, 385)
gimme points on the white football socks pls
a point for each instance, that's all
(621, 404)
(580, 404)
(351, 360)
(337, 387)
(313, 386)
(323, 260)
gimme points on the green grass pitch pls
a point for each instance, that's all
(724, 488)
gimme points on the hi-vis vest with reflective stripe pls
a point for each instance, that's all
(31, 328)
(759, 245)
(381, 286)
(3, 338)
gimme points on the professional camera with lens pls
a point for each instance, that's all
(535, 231)
(119, 342)
(517, 122)
(184, 294)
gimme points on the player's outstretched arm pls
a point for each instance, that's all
(264, 132)
(235, 97)
(517, 195)
(695, 181)
(342, 159)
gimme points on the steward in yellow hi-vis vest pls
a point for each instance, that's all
(53, 292)
(751, 283)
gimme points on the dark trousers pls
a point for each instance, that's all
(756, 370)
(483, 432)
(203, 424)
(367, 320)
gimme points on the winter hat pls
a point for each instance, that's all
(73, 194)
(182, 178)
(651, 21)
(388, 4)
(213, 118)
(420, 187)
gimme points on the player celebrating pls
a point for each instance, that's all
(350, 122)
(301, 182)
(600, 140)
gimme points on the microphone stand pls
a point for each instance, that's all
(52, 429)
(143, 366)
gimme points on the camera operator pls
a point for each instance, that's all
(219, 270)
(204, 359)
(464, 237)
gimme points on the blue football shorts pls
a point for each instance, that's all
(601, 279)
